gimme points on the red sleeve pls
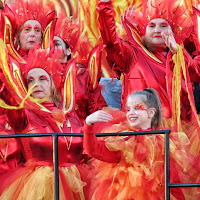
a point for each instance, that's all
(10, 156)
(97, 149)
(17, 118)
(96, 101)
(119, 51)
(194, 69)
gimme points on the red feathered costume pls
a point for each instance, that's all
(88, 92)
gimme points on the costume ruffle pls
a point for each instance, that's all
(140, 173)
(36, 183)
(190, 129)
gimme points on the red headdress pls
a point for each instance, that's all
(172, 11)
(25, 10)
(39, 58)
(69, 30)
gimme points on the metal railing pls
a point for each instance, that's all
(55, 136)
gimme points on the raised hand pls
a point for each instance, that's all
(129, 15)
(98, 116)
(170, 41)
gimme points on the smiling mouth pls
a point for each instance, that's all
(132, 119)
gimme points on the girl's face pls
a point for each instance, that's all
(154, 29)
(42, 81)
(138, 115)
(30, 34)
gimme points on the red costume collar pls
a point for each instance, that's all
(49, 105)
(23, 52)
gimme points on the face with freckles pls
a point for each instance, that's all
(153, 32)
(43, 84)
(138, 115)
(30, 33)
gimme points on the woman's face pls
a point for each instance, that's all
(60, 44)
(153, 32)
(42, 81)
(30, 34)
(137, 113)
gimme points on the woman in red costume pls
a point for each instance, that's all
(35, 179)
(133, 166)
(88, 95)
(22, 23)
(28, 22)
(10, 154)
(149, 62)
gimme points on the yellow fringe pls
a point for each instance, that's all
(35, 100)
(179, 61)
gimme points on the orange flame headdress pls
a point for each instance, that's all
(68, 30)
(39, 58)
(175, 13)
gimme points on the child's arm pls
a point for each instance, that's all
(94, 148)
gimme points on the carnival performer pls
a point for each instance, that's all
(35, 179)
(133, 166)
(28, 23)
(10, 155)
(147, 58)
(72, 45)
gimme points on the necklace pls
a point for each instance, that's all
(70, 142)
(4, 157)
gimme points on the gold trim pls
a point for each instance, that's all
(68, 91)
(4, 158)
(8, 41)
(93, 67)
(136, 38)
(47, 35)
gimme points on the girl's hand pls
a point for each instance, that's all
(170, 41)
(98, 116)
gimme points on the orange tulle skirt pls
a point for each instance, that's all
(35, 183)
(140, 173)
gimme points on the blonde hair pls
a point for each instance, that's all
(56, 95)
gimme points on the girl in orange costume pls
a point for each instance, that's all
(133, 166)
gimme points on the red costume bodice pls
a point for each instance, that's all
(41, 148)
